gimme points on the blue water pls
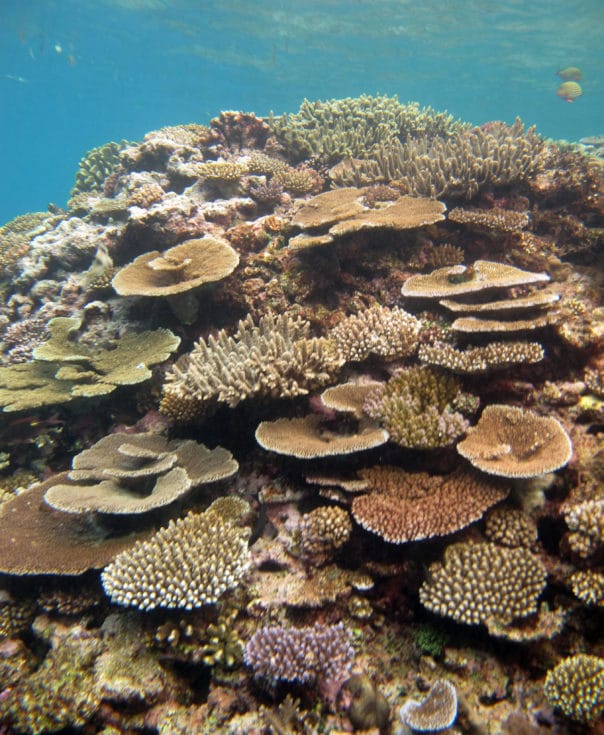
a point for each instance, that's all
(75, 74)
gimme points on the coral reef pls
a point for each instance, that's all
(320, 320)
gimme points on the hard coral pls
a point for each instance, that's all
(189, 563)
(576, 686)
(417, 407)
(479, 583)
(320, 655)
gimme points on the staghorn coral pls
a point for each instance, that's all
(322, 532)
(320, 655)
(479, 583)
(492, 356)
(514, 442)
(389, 333)
(510, 527)
(276, 358)
(63, 369)
(135, 473)
(333, 129)
(576, 686)
(404, 506)
(437, 711)
(417, 407)
(189, 563)
(588, 586)
(457, 166)
(495, 219)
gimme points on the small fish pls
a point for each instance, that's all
(592, 140)
(570, 74)
(15, 78)
(569, 91)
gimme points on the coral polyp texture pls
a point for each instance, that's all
(576, 686)
(275, 357)
(483, 583)
(404, 506)
(514, 442)
(190, 563)
(319, 655)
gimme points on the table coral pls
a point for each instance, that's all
(63, 370)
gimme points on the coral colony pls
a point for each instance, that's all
(303, 432)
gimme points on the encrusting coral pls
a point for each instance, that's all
(63, 369)
(515, 442)
(482, 583)
(189, 563)
(418, 407)
(576, 686)
(134, 473)
(275, 358)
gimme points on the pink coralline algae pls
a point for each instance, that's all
(319, 654)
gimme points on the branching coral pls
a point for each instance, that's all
(480, 583)
(96, 165)
(189, 563)
(276, 358)
(458, 166)
(319, 655)
(390, 333)
(418, 408)
(336, 128)
(492, 356)
(576, 685)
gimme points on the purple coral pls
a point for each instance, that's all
(320, 654)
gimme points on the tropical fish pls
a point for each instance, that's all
(570, 74)
(569, 91)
